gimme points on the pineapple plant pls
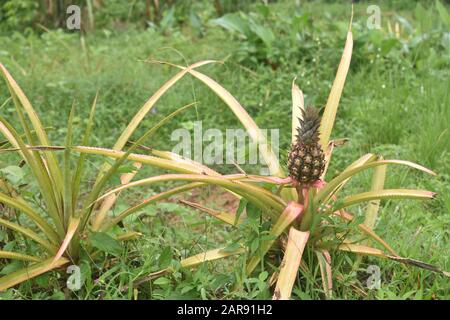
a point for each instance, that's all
(306, 160)
(298, 206)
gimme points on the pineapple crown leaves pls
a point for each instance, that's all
(308, 131)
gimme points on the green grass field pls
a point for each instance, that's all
(396, 102)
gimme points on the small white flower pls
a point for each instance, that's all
(383, 86)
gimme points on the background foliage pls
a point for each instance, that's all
(395, 101)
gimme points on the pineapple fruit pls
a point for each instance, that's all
(306, 160)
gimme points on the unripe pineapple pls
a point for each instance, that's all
(306, 160)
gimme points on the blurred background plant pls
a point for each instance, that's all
(266, 35)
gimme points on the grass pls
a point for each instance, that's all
(55, 70)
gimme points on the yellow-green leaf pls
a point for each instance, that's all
(71, 229)
(329, 114)
(30, 272)
(209, 256)
(298, 105)
(223, 216)
(362, 249)
(291, 261)
(386, 194)
(18, 256)
(379, 175)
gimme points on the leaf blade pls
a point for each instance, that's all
(329, 115)
(292, 211)
(386, 194)
(25, 274)
(298, 104)
(291, 262)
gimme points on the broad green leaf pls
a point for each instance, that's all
(264, 33)
(14, 174)
(105, 243)
(443, 13)
(234, 23)
(161, 281)
(168, 18)
(11, 267)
